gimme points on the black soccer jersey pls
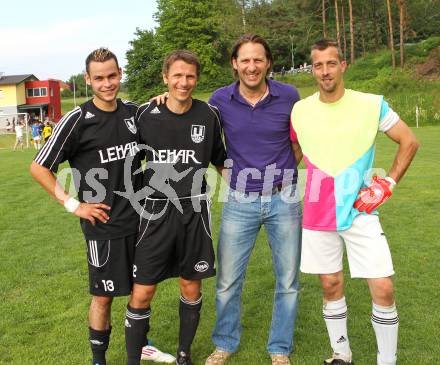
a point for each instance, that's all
(179, 148)
(96, 144)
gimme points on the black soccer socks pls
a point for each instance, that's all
(99, 341)
(137, 324)
(189, 313)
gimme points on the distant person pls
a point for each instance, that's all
(336, 129)
(41, 126)
(271, 75)
(99, 136)
(47, 131)
(283, 71)
(10, 127)
(36, 136)
(19, 135)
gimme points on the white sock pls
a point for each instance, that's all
(335, 316)
(385, 324)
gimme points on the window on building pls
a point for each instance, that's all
(51, 91)
(36, 91)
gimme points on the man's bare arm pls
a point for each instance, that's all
(408, 145)
(48, 181)
(220, 170)
(297, 151)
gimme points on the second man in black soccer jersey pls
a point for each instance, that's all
(181, 138)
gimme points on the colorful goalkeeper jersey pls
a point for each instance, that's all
(337, 140)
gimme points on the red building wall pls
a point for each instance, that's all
(52, 97)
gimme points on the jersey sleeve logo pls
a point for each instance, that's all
(155, 110)
(89, 115)
(197, 133)
(131, 125)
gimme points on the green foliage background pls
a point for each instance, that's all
(211, 27)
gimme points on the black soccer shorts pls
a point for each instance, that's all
(111, 266)
(173, 243)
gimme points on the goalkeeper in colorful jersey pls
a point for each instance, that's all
(336, 129)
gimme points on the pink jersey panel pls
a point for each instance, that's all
(319, 200)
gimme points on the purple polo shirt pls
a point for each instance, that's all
(258, 138)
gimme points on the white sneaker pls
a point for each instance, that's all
(339, 359)
(154, 354)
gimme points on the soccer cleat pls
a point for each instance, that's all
(152, 353)
(339, 359)
(280, 359)
(218, 357)
(183, 359)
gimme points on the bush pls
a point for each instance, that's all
(207, 83)
(66, 93)
(299, 79)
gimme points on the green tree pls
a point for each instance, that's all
(144, 66)
(80, 86)
(423, 18)
(195, 25)
(284, 23)
(210, 28)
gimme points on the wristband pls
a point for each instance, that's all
(391, 181)
(71, 205)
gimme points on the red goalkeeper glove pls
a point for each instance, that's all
(376, 194)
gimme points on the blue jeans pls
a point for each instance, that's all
(241, 222)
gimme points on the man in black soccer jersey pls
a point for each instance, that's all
(96, 138)
(182, 137)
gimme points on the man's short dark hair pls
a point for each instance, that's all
(325, 43)
(181, 55)
(100, 55)
(251, 38)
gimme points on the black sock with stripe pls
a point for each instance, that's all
(99, 341)
(189, 313)
(137, 324)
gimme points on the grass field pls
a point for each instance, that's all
(44, 292)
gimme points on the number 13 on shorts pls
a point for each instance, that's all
(108, 285)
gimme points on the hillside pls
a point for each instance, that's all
(417, 84)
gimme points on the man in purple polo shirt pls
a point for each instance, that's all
(255, 113)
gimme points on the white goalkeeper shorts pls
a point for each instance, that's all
(368, 252)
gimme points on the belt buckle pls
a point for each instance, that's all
(277, 188)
